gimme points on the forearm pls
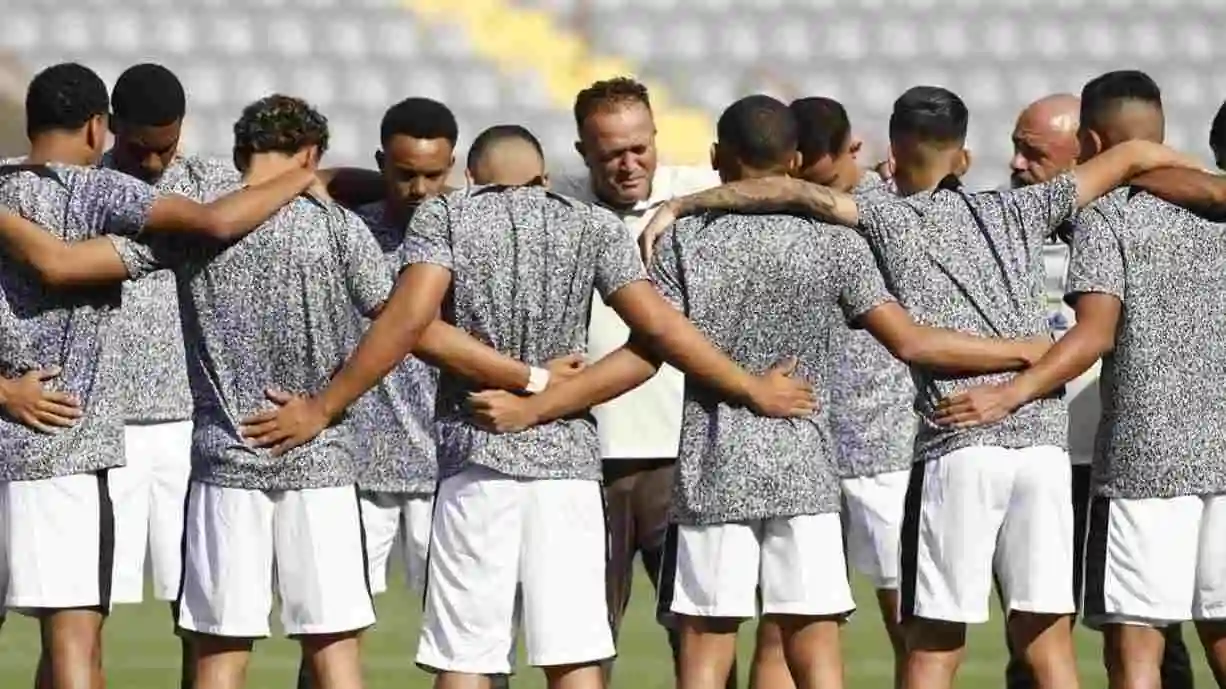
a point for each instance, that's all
(446, 346)
(236, 214)
(952, 352)
(59, 264)
(1073, 355)
(352, 186)
(772, 194)
(673, 338)
(614, 375)
(1199, 192)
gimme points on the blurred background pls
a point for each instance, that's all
(522, 61)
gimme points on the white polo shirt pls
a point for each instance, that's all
(1084, 404)
(645, 422)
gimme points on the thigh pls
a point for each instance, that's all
(416, 514)
(322, 571)
(1209, 601)
(802, 569)
(61, 543)
(227, 562)
(562, 568)
(381, 516)
(1035, 549)
(713, 571)
(873, 512)
(476, 538)
(952, 515)
(172, 470)
(1141, 560)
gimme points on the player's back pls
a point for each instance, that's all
(276, 309)
(524, 263)
(69, 328)
(1163, 383)
(762, 288)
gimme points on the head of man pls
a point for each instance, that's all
(1045, 140)
(68, 104)
(418, 136)
(148, 103)
(1117, 107)
(506, 154)
(1217, 137)
(617, 140)
(757, 137)
(928, 137)
(827, 148)
(279, 130)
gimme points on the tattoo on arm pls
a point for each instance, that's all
(772, 195)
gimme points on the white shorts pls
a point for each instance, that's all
(396, 522)
(980, 510)
(492, 533)
(1156, 562)
(792, 566)
(872, 521)
(60, 549)
(149, 493)
(240, 544)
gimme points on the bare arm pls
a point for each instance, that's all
(353, 186)
(1117, 165)
(772, 194)
(948, 351)
(57, 263)
(446, 346)
(231, 216)
(1087, 341)
(1199, 192)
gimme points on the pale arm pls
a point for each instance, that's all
(1199, 192)
(1119, 164)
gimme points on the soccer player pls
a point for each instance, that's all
(56, 501)
(505, 154)
(524, 511)
(638, 431)
(1150, 557)
(977, 498)
(1045, 146)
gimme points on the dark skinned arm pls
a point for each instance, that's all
(948, 351)
(445, 346)
(232, 216)
(1197, 191)
(57, 263)
(353, 186)
(1121, 163)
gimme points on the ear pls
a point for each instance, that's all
(795, 160)
(96, 131)
(963, 163)
(715, 157)
(379, 159)
(855, 146)
(579, 150)
(545, 179)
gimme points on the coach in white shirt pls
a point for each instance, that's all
(640, 430)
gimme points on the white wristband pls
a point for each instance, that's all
(538, 380)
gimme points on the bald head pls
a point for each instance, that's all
(506, 154)
(1045, 139)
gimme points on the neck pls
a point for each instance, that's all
(59, 148)
(854, 182)
(914, 180)
(265, 166)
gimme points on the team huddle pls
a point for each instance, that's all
(270, 376)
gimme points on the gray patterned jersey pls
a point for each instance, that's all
(524, 263)
(870, 394)
(276, 309)
(761, 288)
(974, 263)
(397, 416)
(153, 384)
(72, 329)
(1162, 386)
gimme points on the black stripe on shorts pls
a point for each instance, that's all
(106, 541)
(1095, 601)
(909, 539)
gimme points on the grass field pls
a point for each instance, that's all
(141, 653)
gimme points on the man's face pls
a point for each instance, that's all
(1039, 156)
(146, 152)
(618, 146)
(835, 171)
(415, 170)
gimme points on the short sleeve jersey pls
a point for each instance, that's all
(524, 263)
(1162, 385)
(275, 309)
(974, 263)
(70, 328)
(762, 288)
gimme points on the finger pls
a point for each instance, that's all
(268, 439)
(56, 420)
(262, 417)
(953, 400)
(786, 367)
(61, 398)
(35, 423)
(278, 396)
(259, 429)
(955, 410)
(68, 412)
(286, 445)
(49, 373)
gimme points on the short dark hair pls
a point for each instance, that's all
(759, 130)
(419, 118)
(1217, 131)
(148, 95)
(281, 124)
(1103, 93)
(496, 134)
(823, 127)
(930, 114)
(64, 97)
(607, 93)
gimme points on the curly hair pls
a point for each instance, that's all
(64, 97)
(281, 124)
(607, 93)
